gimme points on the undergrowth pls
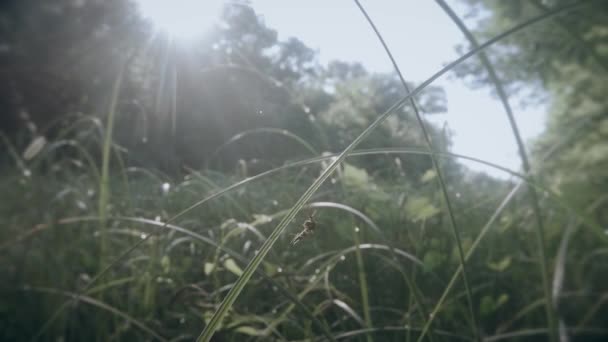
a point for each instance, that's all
(120, 252)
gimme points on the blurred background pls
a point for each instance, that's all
(121, 116)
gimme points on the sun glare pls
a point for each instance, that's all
(182, 19)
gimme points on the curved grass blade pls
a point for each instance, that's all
(583, 217)
(117, 260)
(230, 298)
(436, 168)
(362, 275)
(328, 265)
(99, 304)
(540, 235)
(473, 247)
(206, 240)
(349, 335)
(265, 130)
(104, 188)
(246, 181)
(542, 331)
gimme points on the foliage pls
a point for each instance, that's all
(218, 124)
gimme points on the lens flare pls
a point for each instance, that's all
(181, 19)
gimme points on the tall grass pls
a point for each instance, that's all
(230, 298)
(551, 318)
(200, 260)
(104, 188)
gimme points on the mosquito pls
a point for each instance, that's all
(308, 228)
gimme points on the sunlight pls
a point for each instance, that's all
(182, 19)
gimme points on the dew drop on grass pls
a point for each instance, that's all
(342, 257)
(279, 270)
(275, 202)
(356, 229)
(261, 112)
(307, 110)
(143, 236)
(165, 188)
(458, 195)
(27, 173)
(317, 271)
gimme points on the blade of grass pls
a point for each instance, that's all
(13, 152)
(592, 311)
(583, 217)
(265, 130)
(440, 177)
(473, 247)
(99, 304)
(411, 285)
(363, 284)
(198, 237)
(352, 333)
(486, 227)
(328, 265)
(246, 181)
(540, 234)
(350, 311)
(542, 331)
(104, 191)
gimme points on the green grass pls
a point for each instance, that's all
(109, 253)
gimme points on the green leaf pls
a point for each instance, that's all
(165, 263)
(34, 147)
(228, 223)
(420, 208)
(250, 331)
(354, 176)
(500, 265)
(429, 175)
(233, 267)
(209, 267)
(502, 299)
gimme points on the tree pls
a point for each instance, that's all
(565, 57)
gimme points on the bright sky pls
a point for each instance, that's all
(422, 39)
